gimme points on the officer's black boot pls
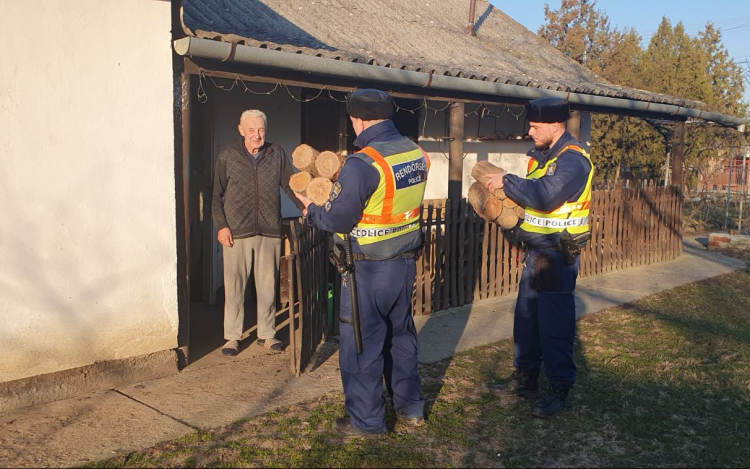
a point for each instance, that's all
(552, 402)
(523, 384)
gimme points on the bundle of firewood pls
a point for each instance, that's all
(318, 171)
(494, 207)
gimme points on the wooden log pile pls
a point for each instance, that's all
(494, 207)
(318, 171)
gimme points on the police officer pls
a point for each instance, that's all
(377, 201)
(556, 194)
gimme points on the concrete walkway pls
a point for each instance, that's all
(97, 426)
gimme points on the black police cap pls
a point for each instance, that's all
(548, 110)
(370, 105)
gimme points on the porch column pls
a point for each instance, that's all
(456, 163)
(678, 154)
(574, 124)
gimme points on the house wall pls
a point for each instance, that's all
(495, 136)
(87, 184)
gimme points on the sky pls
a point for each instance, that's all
(732, 17)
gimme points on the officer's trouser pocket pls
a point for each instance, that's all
(546, 276)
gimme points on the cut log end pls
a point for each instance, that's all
(485, 204)
(493, 208)
(328, 164)
(318, 190)
(299, 181)
(303, 158)
(507, 219)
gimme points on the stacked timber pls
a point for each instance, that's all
(317, 172)
(495, 206)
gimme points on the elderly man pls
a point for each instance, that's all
(246, 209)
(556, 194)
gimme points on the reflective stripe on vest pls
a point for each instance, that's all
(390, 220)
(386, 215)
(371, 232)
(556, 222)
(570, 216)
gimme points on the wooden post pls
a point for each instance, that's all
(182, 192)
(456, 164)
(574, 124)
(678, 161)
(678, 154)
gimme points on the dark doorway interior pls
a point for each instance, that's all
(323, 124)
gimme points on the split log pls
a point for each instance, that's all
(483, 169)
(509, 203)
(318, 190)
(507, 219)
(303, 158)
(329, 164)
(520, 212)
(299, 181)
(485, 204)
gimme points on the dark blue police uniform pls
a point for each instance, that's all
(384, 294)
(545, 317)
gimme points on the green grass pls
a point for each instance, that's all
(664, 382)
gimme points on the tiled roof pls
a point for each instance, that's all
(419, 35)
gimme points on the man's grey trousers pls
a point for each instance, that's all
(258, 255)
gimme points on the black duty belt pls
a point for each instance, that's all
(358, 256)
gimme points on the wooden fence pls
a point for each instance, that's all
(304, 285)
(464, 259)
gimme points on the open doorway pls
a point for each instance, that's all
(301, 115)
(213, 125)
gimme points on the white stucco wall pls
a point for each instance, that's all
(87, 239)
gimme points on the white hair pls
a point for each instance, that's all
(254, 113)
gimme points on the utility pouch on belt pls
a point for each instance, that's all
(570, 245)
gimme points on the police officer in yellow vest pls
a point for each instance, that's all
(556, 194)
(377, 201)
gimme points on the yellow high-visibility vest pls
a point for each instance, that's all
(570, 216)
(390, 223)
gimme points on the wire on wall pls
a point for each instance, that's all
(482, 110)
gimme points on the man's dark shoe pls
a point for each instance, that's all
(345, 428)
(522, 384)
(552, 403)
(231, 348)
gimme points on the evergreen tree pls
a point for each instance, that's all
(578, 30)
(675, 64)
(727, 83)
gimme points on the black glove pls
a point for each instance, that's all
(513, 234)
